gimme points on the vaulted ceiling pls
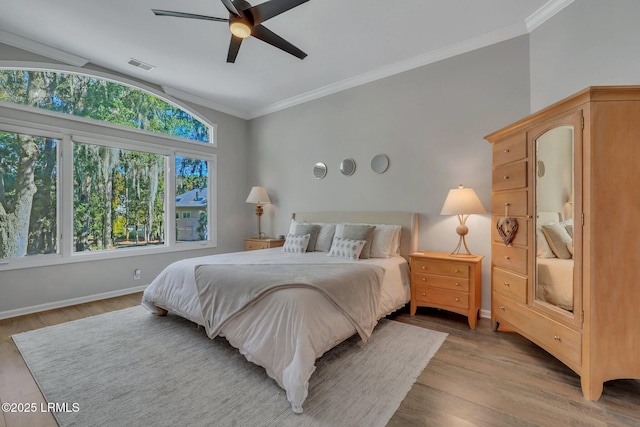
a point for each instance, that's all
(348, 42)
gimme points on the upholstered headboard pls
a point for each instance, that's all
(408, 221)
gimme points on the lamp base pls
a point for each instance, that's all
(462, 230)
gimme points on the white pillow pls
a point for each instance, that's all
(325, 235)
(296, 243)
(386, 241)
(557, 237)
(346, 248)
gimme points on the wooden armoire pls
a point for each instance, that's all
(571, 169)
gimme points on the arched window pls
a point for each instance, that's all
(94, 168)
(99, 99)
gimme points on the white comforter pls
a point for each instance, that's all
(286, 331)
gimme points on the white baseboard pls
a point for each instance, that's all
(69, 302)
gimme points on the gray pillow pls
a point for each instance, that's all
(360, 232)
(311, 229)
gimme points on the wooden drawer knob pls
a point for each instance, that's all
(424, 294)
(424, 268)
(506, 177)
(502, 308)
(557, 338)
(424, 279)
(506, 285)
(507, 257)
(457, 284)
(506, 150)
(457, 299)
(456, 271)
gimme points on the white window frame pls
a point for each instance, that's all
(67, 129)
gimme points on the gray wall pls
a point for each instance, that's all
(430, 121)
(589, 43)
(29, 289)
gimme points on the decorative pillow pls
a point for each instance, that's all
(385, 241)
(358, 232)
(557, 237)
(296, 243)
(310, 229)
(346, 248)
(543, 249)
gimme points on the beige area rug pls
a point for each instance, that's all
(130, 367)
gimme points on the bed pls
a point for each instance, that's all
(554, 260)
(283, 310)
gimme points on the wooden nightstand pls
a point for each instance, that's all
(254, 243)
(452, 283)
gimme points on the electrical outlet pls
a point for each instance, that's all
(137, 273)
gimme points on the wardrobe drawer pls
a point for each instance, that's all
(559, 340)
(521, 238)
(509, 177)
(441, 297)
(510, 258)
(510, 149)
(515, 203)
(444, 282)
(440, 267)
(510, 285)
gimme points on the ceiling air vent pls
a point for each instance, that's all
(140, 64)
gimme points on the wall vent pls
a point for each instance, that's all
(140, 64)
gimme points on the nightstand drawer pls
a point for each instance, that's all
(510, 285)
(440, 267)
(428, 295)
(254, 244)
(444, 282)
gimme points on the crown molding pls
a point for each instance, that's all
(461, 47)
(186, 96)
(41, 49)
(548, 10)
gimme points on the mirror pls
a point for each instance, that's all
(554, 195)
(380, 163)
(348, 167)
(319, 170)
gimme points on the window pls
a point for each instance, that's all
(28, 195)
(99, 99)
(74, 189)
(192, 185)
(117, 198)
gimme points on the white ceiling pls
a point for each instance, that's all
(349, 42)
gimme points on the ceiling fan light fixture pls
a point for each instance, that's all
(240, 28)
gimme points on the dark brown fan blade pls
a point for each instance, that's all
(187, 15)
(269, 9)
(230, 7)
(268, 36)
(234, 47)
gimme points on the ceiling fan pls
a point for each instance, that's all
(246, 20)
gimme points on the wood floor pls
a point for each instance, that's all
(477, 378)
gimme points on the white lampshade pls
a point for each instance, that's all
(259, 196)
(462, 201)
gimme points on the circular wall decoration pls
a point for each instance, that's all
(319, 170)
(380, 163)
(348, 167)
(541, 168)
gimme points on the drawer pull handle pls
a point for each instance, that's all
(506, 284)
(502, 308)
(507, 258)
(457, 299)
(457, 284)
(506, 150)
(424, 268)
(456, 271)
(506, 177)
(424, 294)
(557, 338)
(424, 279)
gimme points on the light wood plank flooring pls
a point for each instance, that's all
(477, 378)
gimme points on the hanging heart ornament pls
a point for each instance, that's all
(507, 229)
